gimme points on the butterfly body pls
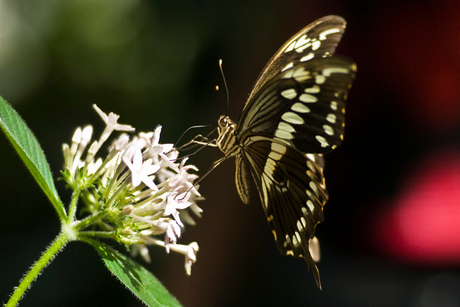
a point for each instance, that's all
(294, 114)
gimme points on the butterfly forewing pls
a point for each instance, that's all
(303, 106)
(318, 39)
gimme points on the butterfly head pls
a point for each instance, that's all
(225, 125)
(224, 122)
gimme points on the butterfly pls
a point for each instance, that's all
(294, 114)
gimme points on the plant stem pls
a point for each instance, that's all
(38, 266)
(96, 234)
(90, 220)
(73, 205)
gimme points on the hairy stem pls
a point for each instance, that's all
(38, 266)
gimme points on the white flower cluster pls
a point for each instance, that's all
(140, 190)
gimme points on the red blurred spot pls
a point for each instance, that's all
(423, 223)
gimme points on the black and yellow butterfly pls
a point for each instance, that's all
(294, 114)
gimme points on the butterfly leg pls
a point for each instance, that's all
(204, 140)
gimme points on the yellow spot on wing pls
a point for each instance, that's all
(279, 148)
(335, 70)
(304, 209)
(308, 98)
(310, 205)
(284, 135)
(322, 141)
(290, 47)
(328, 129)
(307, 57)
(313, 90)
(333, 105)
(331, 118)
(299, 239)
(292, 118)
(285, 127)
(299, 226)
(290, 65)
(302, 43)
(275, 155)
(322, 35)
(300, 107)
(315, 45)
(320, 79)
(301, 74)
(313, 186)
(289, 93)
(304, 222)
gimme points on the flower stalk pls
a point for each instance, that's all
(38, 266)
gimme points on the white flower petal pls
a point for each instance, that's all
(101, 113)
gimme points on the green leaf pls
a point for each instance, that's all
(28, 148)
(134, 276)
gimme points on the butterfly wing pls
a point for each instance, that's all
(303, 106)
(292, 190)
(295, 112)
(318, 39)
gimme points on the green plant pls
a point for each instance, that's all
(138, 193)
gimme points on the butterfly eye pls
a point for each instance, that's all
(223, 122)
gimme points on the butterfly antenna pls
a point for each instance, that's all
(225, 84)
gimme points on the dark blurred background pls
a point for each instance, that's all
(392, 231)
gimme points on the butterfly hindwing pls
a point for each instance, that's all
(292, 191)
(303, 106)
